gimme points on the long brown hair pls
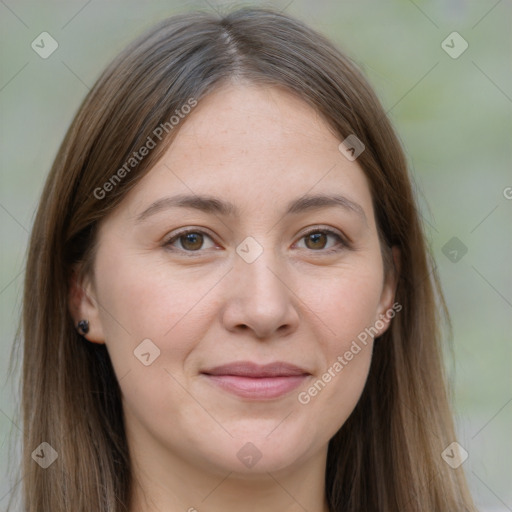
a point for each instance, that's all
(387, 455)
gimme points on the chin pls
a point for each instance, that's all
(254, 453)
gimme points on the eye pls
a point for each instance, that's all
(316, 240)
(191, 240)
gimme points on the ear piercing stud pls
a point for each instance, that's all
(83, 326)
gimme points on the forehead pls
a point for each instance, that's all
(257, 146)
(248, 116)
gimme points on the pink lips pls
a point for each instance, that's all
(250, 380)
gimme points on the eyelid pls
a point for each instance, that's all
(344, 241)
(185, 231)
(327, 229)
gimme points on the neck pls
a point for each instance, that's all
(164, 483)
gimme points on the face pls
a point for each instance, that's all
(233, 286)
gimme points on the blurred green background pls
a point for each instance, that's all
(453, 115)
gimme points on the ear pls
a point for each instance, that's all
(83, 305)
(386, 310)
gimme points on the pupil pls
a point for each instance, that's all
(194, 239)
(315, 237)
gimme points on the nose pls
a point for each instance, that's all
(260, 298)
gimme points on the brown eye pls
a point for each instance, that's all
(317, 241)
(191, 241)
(188, 241)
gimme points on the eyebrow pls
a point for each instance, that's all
(214, 205)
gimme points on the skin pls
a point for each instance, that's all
(258, 147)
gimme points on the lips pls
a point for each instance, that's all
(249, 369)
(253, 381)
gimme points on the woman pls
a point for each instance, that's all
(228, 301)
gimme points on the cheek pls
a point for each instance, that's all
(141, 301)
(144, 299)
(152, 319)
(346, 308)
(345, 304)
(334, 394)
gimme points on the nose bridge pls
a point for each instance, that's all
(258, 269)
(260, 297)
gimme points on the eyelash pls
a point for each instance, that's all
(341, 245)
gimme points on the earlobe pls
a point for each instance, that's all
(84, 308)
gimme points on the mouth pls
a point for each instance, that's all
(259, 382)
